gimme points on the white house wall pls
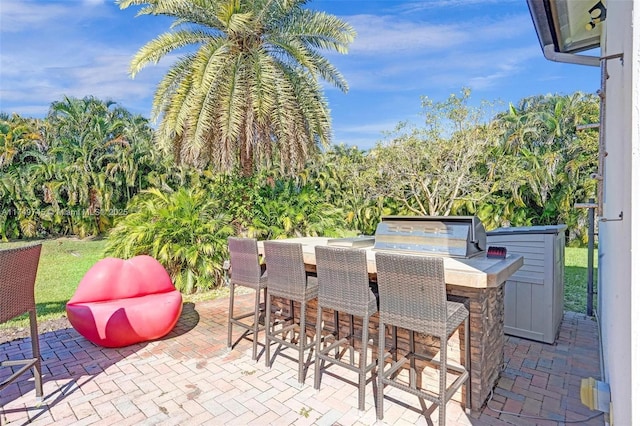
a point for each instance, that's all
(619, 241)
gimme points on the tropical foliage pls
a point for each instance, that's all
(247, 91)
(91, 168)
(185, 230)
(343, 176)
(288, 209)
(73, 172)
(526, 166)
(542, 163)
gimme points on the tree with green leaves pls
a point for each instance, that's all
(437, 169)
(74, 171)
(96, 152)
(287, 209)
(343, 176)
(541, 164)
(247, 91)
(21, 147)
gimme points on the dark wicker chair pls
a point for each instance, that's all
(18, 269)
(413, 296)
(343, 286)
(246, 271)
(289, 280)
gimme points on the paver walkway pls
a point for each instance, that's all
(191, 378)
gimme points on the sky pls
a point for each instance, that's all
(403, 50)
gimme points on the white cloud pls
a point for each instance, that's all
(394, 35)
(52, 49)
(34, 16)
(18, 15)
(401, 54)
(367, 132)
(104, 75)
(495, 69)
(418, 6)
(382, 35)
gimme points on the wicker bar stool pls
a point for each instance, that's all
(413, 296)
(18, 269)
(289, 280)
(246, 271)
(343, 286)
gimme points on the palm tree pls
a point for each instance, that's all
(541, 162)
(20, 138)
(247, 92)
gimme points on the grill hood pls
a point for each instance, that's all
(454, 236)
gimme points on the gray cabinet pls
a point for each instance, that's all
(534, 295)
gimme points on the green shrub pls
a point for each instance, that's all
(185, 230)
(284, 209)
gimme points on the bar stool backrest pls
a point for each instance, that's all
(245, 263)
(18, 269)
(343, 281)
(285, 266)
(412, 292)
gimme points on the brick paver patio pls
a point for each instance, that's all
(191, 378)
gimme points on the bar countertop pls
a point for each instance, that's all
(476, 272)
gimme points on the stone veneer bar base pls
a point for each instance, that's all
(486, 310)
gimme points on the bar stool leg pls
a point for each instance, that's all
(467, 363)
(381, 358)
(351, 346)
(336, 322)
(292, 318)
(362, 363)
(442, 403)
(319, 363)
(394, 348)
(302, 341)
(35, 348)
(264, 300)
(394, 335)
(413, 378)
(231, 297)
(256, 324)
(267, 331)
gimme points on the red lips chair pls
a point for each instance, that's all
(121, 302)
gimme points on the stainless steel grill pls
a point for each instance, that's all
(454, 236)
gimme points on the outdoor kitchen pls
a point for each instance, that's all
(471, 275)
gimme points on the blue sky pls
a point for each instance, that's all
(404, 50)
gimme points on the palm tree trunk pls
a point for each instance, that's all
(246, 158)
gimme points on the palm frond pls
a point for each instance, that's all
(158, 48)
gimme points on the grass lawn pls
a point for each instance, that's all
(64, 262)
(575, 279)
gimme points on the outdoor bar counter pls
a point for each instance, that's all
(480, 280)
